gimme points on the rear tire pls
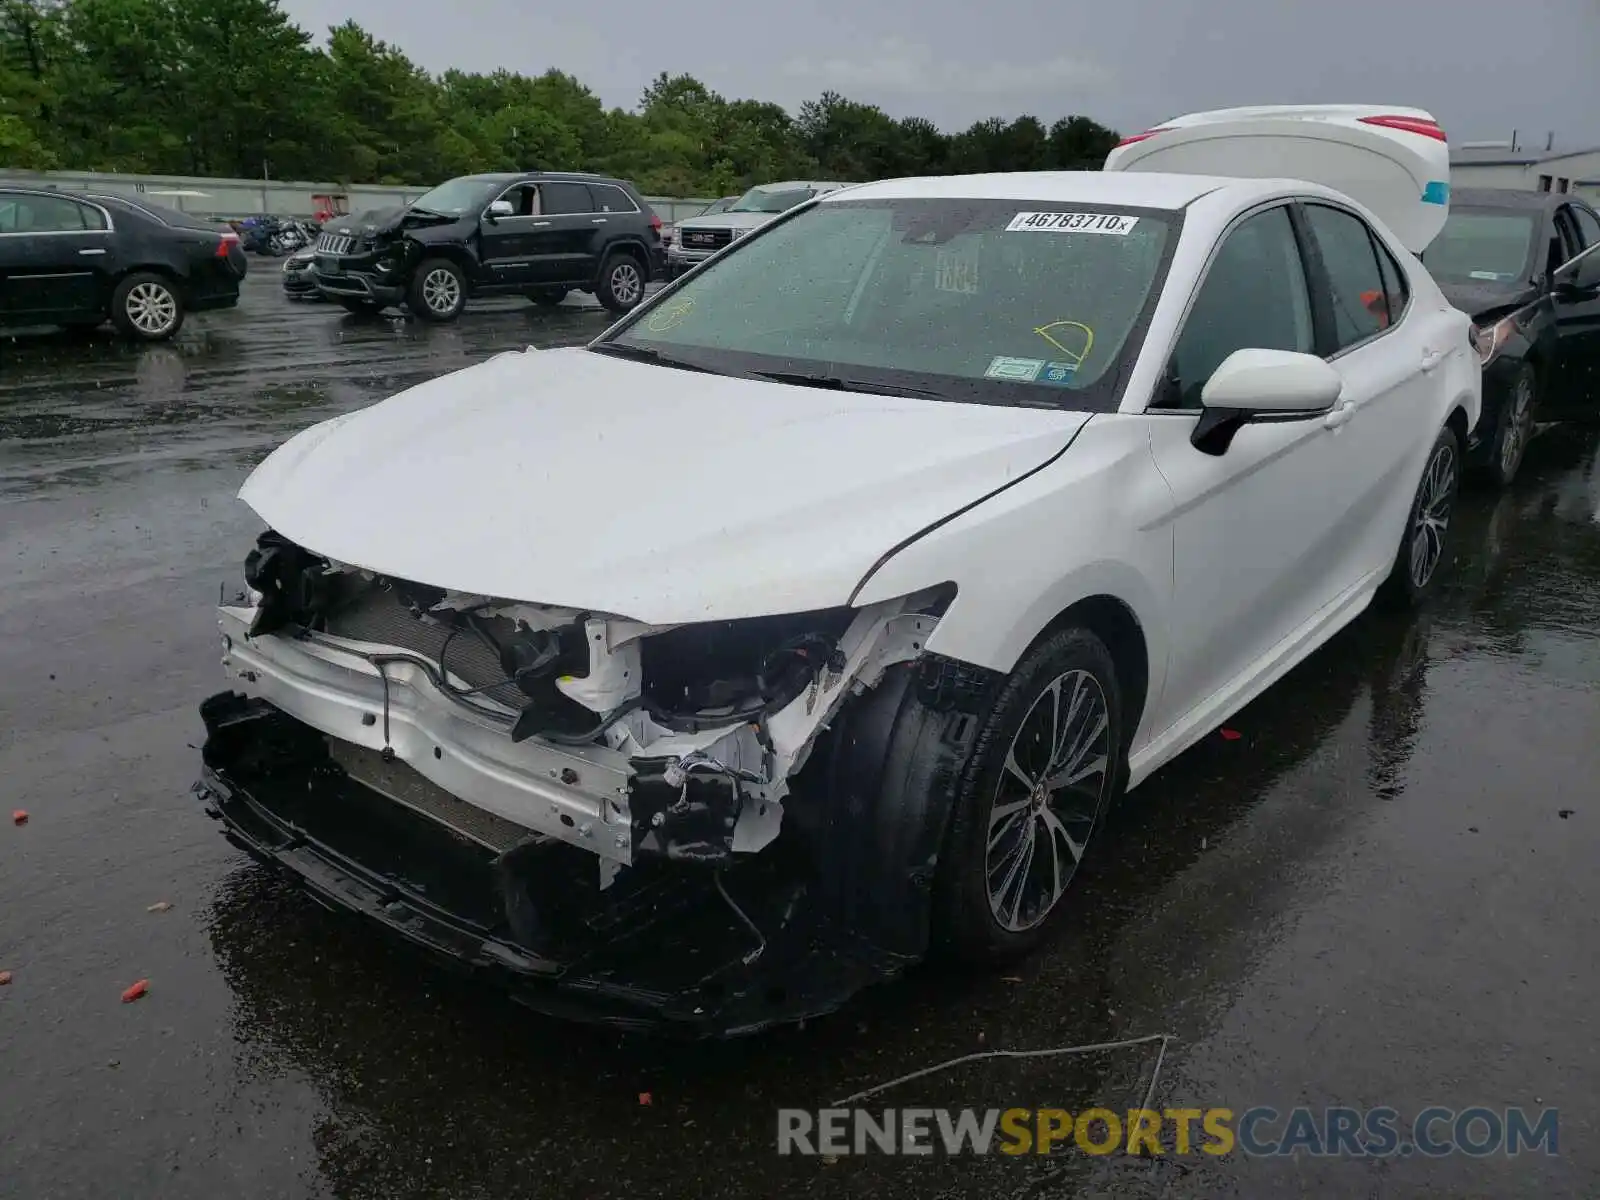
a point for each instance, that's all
(438, 290)
(147, 306)
(1426, 542)
(1014, 841)
(622, 281)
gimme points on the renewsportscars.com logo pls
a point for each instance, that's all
(1318, 1133)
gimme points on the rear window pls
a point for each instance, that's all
(610, 198)
(167, 216)
(1483, 246)
(967, 299)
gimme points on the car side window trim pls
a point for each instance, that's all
(1322, 284)
(1565, 214)
(1154, 406)
(589, 188)
(110, 225)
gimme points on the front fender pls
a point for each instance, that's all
(1095, 522)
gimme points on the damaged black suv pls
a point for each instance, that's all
(540, 234)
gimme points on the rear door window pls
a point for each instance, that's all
(565, 199)
(1357, 292)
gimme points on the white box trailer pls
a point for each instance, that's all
(1395, 161)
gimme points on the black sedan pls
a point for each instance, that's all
(1521, 264)
(77, 259)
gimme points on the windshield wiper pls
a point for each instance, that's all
(835, 384)
(645, 354)
(429, 212)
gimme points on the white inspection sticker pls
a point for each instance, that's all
(1072, 222)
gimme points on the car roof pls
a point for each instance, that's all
(789, 185)
(1141, 189)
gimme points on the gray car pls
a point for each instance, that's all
(698, 238)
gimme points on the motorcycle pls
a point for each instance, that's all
(292, 235)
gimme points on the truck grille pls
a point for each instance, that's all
(705, 239)
(335, 243)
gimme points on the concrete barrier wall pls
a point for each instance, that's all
(225, 198)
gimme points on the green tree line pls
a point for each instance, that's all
(234, 88)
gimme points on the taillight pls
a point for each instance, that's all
(1408, 125)
(655, 222)
(226, 240)
(1139, 137)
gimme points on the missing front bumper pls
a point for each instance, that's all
(672, 946)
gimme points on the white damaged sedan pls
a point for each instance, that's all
(812, 616)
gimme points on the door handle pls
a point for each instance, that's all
(598, 221)
(1431, 359)
(1340, 415)
(91, 251)
(540, 224)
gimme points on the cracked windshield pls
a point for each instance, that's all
(613, 603)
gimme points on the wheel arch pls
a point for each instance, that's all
(452, 253)
(1114, 622)
(165, 270)
(632, 247)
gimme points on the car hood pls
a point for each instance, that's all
(728, 220)
(384, 220)
(1477, 299)
(571, 478)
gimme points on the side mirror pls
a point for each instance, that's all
(498, 209)
(1253, 385)
(1583, 276)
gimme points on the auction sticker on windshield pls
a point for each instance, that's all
(1024, 370)
(1072, 222)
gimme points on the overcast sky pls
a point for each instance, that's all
(1483, 67)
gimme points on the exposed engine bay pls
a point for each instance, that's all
(627, 740)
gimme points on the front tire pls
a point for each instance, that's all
(438, 290)
(1513, 430)
(621, 285)
(1044, 768)
(1423, 548)
(147, 306)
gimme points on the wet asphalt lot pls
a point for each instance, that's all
(1370, 898)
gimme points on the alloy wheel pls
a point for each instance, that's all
(1435, 499)
(1047, 800)
(441, 291)
(151, 308)
(625, 283)
(1518, 428)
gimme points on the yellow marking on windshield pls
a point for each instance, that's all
(671, 316)
(1076, 357)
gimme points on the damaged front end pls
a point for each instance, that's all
(585, 803)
